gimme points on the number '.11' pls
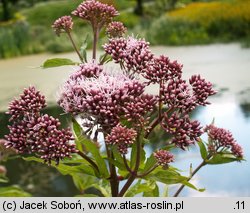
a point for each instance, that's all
(240, 205)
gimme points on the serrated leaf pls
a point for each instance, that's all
(76, 159)
(222, 158)
(77, 128)
(117, 155)
(66, 169)
(203, 150)
(117, 164)
(168, 176)
(83, 181)
(151, 161)
(83, 175)
(140, 188)
(92, 148)
(13, 191)
(57, 62)
(79, 138)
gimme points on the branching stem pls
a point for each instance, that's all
(88, 159)
(74, 46)
(126, 164)
(147, 172)
(203, 163)
(133, 175)
(95, 41)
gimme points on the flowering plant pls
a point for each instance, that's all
(113, 117)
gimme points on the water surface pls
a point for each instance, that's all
(227, 66)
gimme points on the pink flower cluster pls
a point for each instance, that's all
(97, 13)
(161, 69)
(121, 136)
(87, 70)
(185, 132)
(178, 94)
(29, 103)
(201, 89)
(133, 54)
(137, 109)
(36, 133)
(63, 24)
(222, 138)
(115, 29)
(103, 99)
(163, 157)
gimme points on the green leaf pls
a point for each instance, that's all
(83, 181)
(78, 134)
(13, 191)
(203, 150)
(134, 155)
(151, 161)
(84, 143)
(103, 187)
(126, 123)
(92, 148)
(117, 164)
(77, 128)
(168, 176)
(105, 58)
(165, 191)
(67, 169)
(74, 160)
(222, 158)
(139, 187)
(117, 155)
(152, 193)
(188, 184)
(83, 175)
(57, 62)
(146, 141)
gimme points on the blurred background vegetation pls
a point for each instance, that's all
(25, 25)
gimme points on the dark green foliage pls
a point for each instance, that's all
(14, 40)
(166, 31)
(129, 19)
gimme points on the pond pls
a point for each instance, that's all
(225, 65)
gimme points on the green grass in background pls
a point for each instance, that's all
(37, 35)
(190, 23)
(14, 40)
(203, 22)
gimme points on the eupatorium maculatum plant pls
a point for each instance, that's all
(113, 116)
